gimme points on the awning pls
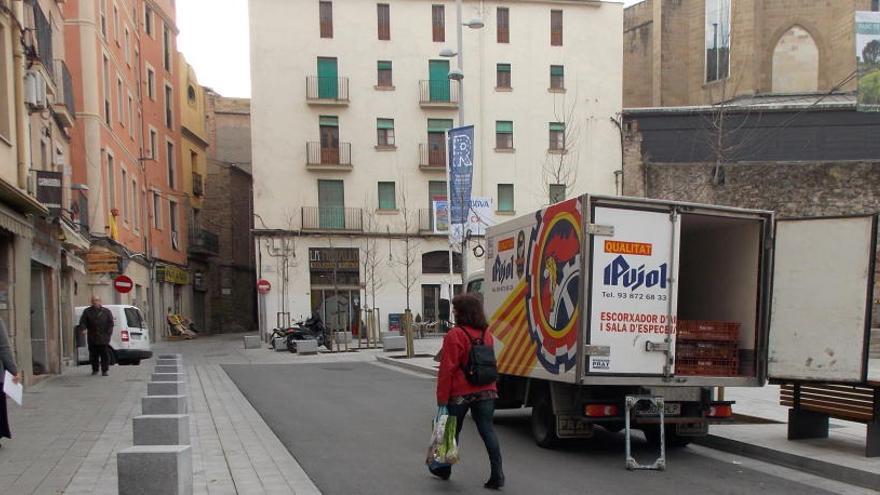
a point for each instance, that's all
(15, 223)
(20, 201)
(73, 262)
(73, 238)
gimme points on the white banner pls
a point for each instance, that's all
(630, 290)
(480, 216)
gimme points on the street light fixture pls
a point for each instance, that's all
(456, 74)
(475, 23)
(448, 53)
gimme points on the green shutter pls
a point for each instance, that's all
(328, 121)
(505, 197)
(557, 70)
(386, 196)
(557, 126)
(503, 67)
(504, 126)
(439, 125)
(384, 65)
(385, 124)
(331, 204)
(328, 82)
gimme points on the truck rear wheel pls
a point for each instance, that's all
(544, 424)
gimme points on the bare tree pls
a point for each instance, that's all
(407, 261)
(283, 250)
(370, 260)
(560, 167)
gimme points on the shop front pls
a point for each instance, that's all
(334, 275)
(172, 283)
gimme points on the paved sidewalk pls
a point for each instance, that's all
(762, 434)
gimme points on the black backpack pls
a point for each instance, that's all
(480, 368)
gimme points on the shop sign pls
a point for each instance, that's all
(172, 275)
(328, 259)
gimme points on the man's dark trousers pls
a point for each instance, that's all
(99, 352)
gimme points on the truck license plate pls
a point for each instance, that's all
(669, 409)
(573, 427)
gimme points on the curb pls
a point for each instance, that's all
(816, 467)
(400, 363)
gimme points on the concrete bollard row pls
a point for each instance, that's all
(161, 459)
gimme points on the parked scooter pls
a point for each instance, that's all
(312, 328)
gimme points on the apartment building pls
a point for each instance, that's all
(351, 101)
(699, 52)
(126, 149)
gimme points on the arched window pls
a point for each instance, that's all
(796, 63)
(438, 262)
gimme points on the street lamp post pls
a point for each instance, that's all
(457, 74)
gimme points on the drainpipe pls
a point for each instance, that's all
(22, 138)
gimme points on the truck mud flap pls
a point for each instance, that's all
(633, 401)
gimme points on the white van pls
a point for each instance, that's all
(130, 342)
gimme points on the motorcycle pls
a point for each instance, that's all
(310, 329)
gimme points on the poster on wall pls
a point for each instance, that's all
(481, 215)
(631, 294)
(868, 60)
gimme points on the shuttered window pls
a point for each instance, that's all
(505, 197)
(385, 132)
(502, 20)
(557, 136)
(384, 78)
(502, 76)
(555, 28)
(557, 77)
(387, 199)
(438, 23)
(504, 135)
(383, 14)
(326, 19)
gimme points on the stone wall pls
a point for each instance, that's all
(638, 47)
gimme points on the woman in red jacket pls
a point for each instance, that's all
(456, 393)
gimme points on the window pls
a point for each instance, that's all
(555, 28)
(557, 193)
(151, 83)
(438, 262)
(116, 24)
(326, 19)
(557, 77)
(111, 182)
(875, 5)
(130, 116)
(172, 223)
(191, 95)
(107, 90)
(148, 20)
(104, 18)
(384, 79)
(166, 47)
(505, 197)
(119, 99)
(383, 13)
(502, 23)
(557, 136)
(437, 141)
(168, 107)
(154, 144)
(438, 23)
(133, 318)
(387, 198)
(385, 132)
(5, 111)
(502, 76)
(169, 158)
(157, 211)
(717, 39)
(134, 205)
(504, 135)
(126, 213)
(127, 46)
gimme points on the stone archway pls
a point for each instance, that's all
(795, 65)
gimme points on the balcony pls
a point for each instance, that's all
(63, 106)
(441, 93)
(327, 91)
(426, 221)
(332, 218)
(432, 160)
(328, 158)
(203, 242)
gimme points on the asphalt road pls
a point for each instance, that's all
(359, 428)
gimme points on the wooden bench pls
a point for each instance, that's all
(813, 403)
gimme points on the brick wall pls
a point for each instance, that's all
(638, 49)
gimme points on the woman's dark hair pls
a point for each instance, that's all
(469, 311)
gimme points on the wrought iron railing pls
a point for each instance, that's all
(327, 89)
(328, 155)
(439, 91)
(202, 241)
(332, 218)
(432, 156)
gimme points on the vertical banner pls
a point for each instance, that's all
(461, 171)
(868, 60)
(481, 214)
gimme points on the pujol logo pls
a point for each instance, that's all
(620, 273)
(502, 270)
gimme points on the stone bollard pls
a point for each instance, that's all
(306, 347)
(152, 469)
(394, 343)
(342, 338)
(252, 342)
(168, 377)
(280, 344)
(165, 388)
(168, 368)
(161, 429)
(163, 404)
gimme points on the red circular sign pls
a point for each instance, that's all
(123, 284)
(263, 286)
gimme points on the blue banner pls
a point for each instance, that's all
(461, 169)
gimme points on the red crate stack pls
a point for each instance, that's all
(707, 348)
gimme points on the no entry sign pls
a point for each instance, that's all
(123, 284)
(263, 286)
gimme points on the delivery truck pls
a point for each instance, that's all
(630, 313)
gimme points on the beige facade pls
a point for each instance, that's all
(791, 46)
(288, 109)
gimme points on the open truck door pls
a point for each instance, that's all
(823, 282)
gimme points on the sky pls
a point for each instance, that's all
(214, 38)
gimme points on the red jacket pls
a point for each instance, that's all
(456, 347)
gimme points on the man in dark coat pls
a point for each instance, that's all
(98, 321)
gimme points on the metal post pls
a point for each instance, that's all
(460, 64)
